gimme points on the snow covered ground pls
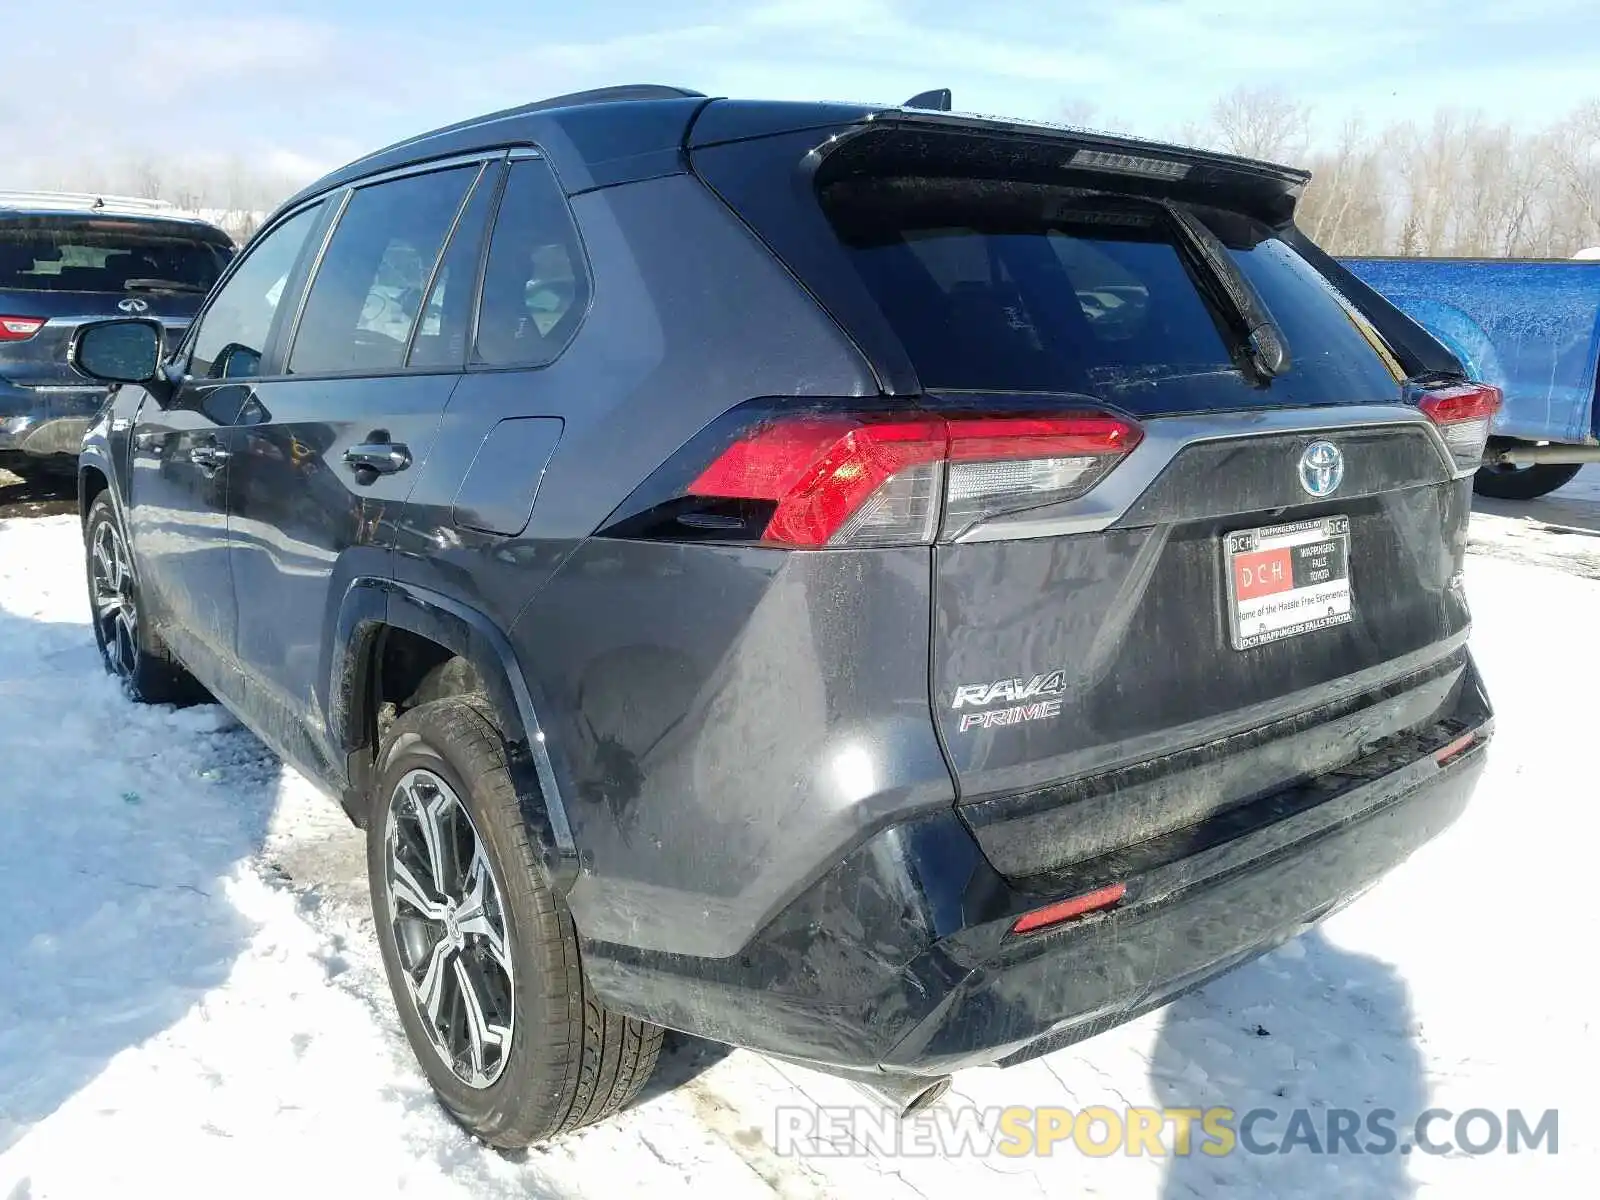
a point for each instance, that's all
(191, 1002)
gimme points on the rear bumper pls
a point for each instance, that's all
(901, 957)
(46, 422)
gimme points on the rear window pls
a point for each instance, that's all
(993, 285)
(86, 258)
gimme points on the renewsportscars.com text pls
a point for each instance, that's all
(1100, 1131)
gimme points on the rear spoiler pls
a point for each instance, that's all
(877, 140)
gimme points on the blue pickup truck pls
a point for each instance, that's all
(1529, 326)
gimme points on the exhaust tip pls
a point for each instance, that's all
(927, 1097)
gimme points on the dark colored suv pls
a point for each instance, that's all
(897, 590)
(66, 259)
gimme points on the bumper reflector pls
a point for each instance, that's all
(1067, 910)
(1456, 748)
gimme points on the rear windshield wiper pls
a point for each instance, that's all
(162, 285)
(1261, 339)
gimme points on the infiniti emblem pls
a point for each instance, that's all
(134, 305)
(1321, 468)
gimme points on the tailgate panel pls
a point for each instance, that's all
(1112, 646)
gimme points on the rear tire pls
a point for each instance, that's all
(546, 1057)
(127, 650)
(1523, 483)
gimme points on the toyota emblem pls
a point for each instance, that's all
(134, 305)
(1321, 469)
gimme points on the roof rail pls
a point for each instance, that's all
(88, 201)
(610, 95)
(605, 95)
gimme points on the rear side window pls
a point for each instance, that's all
(997, 285)
(371, 284)
(535, 286)
(446, 324)
(106, 256)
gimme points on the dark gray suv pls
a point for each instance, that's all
(897, 590)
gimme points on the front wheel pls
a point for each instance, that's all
(1523, 483)
(482, 957)
(126, 649)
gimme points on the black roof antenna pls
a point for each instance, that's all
(938, 100)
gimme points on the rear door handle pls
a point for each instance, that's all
(380, 458)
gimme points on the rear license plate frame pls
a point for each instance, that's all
(1307, 548)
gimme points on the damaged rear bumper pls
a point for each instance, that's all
(46, 422)
(901, 958)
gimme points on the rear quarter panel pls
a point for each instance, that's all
(713, 753)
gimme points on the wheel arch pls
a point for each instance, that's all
(94, 477)
(372, 609)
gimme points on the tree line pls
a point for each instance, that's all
(231, 193)
(1455, 184)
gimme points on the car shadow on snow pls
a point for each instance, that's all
(684, 1058)
(122, 825)
(37, 496)
(1316, 1037)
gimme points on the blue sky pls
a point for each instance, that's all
(311, 83)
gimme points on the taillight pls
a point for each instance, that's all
(1008, 464)
(813, 480)
(19, 329)
(839, 480)
(1463, 412)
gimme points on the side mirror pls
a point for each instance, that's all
(236, 361)
(120, 351)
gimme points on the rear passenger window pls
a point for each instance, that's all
(369, 289)
(446, 325)
(535, 288)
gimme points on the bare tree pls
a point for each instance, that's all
(1259, 123)
(145, 179)
(1573, 150)
(1346, 205)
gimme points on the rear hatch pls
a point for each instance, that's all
(57, 271)
(1209, 540)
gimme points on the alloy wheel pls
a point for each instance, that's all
(446, 912)
(115, 600)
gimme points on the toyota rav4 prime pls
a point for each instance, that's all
(897, 590)
(68, 258)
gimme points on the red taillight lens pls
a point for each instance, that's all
(19, 329)
(836, 480)
(866, 480)
(1067, 910)
(1463, 413)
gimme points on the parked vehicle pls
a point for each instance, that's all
(897, 590)
(1532, 328)
(66, 259)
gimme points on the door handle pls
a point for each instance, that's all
(378, 458)
(209, 458)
